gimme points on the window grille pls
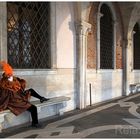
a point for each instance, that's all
(28, 31)
(136, 44)
(106, 39)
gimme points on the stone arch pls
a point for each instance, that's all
(92, 18)
(77, 11)
(131, 76)
(134, 18)
(91, 46)
(111, 6)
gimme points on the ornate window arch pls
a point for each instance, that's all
(106, 36)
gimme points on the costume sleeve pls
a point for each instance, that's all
(4, 99)
(22, 83)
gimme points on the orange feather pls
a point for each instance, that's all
(6, 68)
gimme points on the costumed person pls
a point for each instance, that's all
(14, 97)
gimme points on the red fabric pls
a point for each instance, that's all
(12, 98)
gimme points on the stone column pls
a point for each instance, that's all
(3, 31)
(132, 51)
(125, 71)
(53, 35)
(129, 61)
(99, 15)
(115, 23)
(82, 29)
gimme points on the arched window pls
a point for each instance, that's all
(28, 31)
(106, 38)
(136, 45)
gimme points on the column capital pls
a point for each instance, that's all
(82, 28)
(99, 15)
(115, 22)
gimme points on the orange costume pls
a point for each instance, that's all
(13, 95)
(12, 92)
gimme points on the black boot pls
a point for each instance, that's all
(36, 95)
(36, 125)
(43, 99)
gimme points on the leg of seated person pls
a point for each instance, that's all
(35, 94)
(34, 115)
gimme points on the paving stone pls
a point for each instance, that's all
(115, 119)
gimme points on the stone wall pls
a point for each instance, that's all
(105, 85)
(53, 83)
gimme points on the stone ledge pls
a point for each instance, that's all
(52, 101)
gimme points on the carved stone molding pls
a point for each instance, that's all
(82, 28)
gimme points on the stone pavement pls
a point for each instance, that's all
(115, 119)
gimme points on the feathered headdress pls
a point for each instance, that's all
(6, 68)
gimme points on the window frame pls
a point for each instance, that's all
(132, 36)
(114, 20)
(52, 44)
